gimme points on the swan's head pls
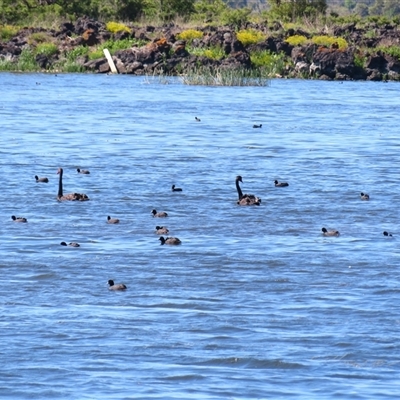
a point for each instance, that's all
(60, 171)
(239, 179)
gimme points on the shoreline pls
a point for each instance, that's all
(258, 51)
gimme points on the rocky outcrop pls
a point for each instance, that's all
(164, 53)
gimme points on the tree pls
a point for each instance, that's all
(292, 9)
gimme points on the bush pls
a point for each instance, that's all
(115, 27)
(189, 35)
(296, 40)
(8, 31)
(329, 41)
(250, 36)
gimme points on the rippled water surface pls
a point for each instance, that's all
(255, 303)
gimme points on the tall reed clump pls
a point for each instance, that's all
(204, 76)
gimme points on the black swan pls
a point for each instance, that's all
(246, 199)
(69, 196)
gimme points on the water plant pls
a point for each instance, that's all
(205, 76)
(250, 36)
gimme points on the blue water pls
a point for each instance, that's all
(255, 303)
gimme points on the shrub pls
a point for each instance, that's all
(250, 36)
(189, 35)
(329, 40)
(115, 27)
(8, 31)
(296, 40)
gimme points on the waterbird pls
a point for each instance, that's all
(18, 219)
(161, 214)
(72, 244)
(387, 233)
(69, 196)
(170, 240)
(175, 189)
(83, 171)
(246, 199)
(280, 184)
(364, 196)
(257, 126)
(44, 179)
(112, 220)
(325, 232)
(116, 286)
(162, 230)
(197, 119)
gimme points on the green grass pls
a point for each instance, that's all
(270, 64)
(114, 46)
(214, 53)
(49, 49)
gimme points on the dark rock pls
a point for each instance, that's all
(42, 60)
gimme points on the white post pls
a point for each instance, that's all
(110, 61)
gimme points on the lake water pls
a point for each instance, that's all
(255, 303)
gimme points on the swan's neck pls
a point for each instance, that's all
(60, 188)
(240, 193)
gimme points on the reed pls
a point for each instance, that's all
(204, 76)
